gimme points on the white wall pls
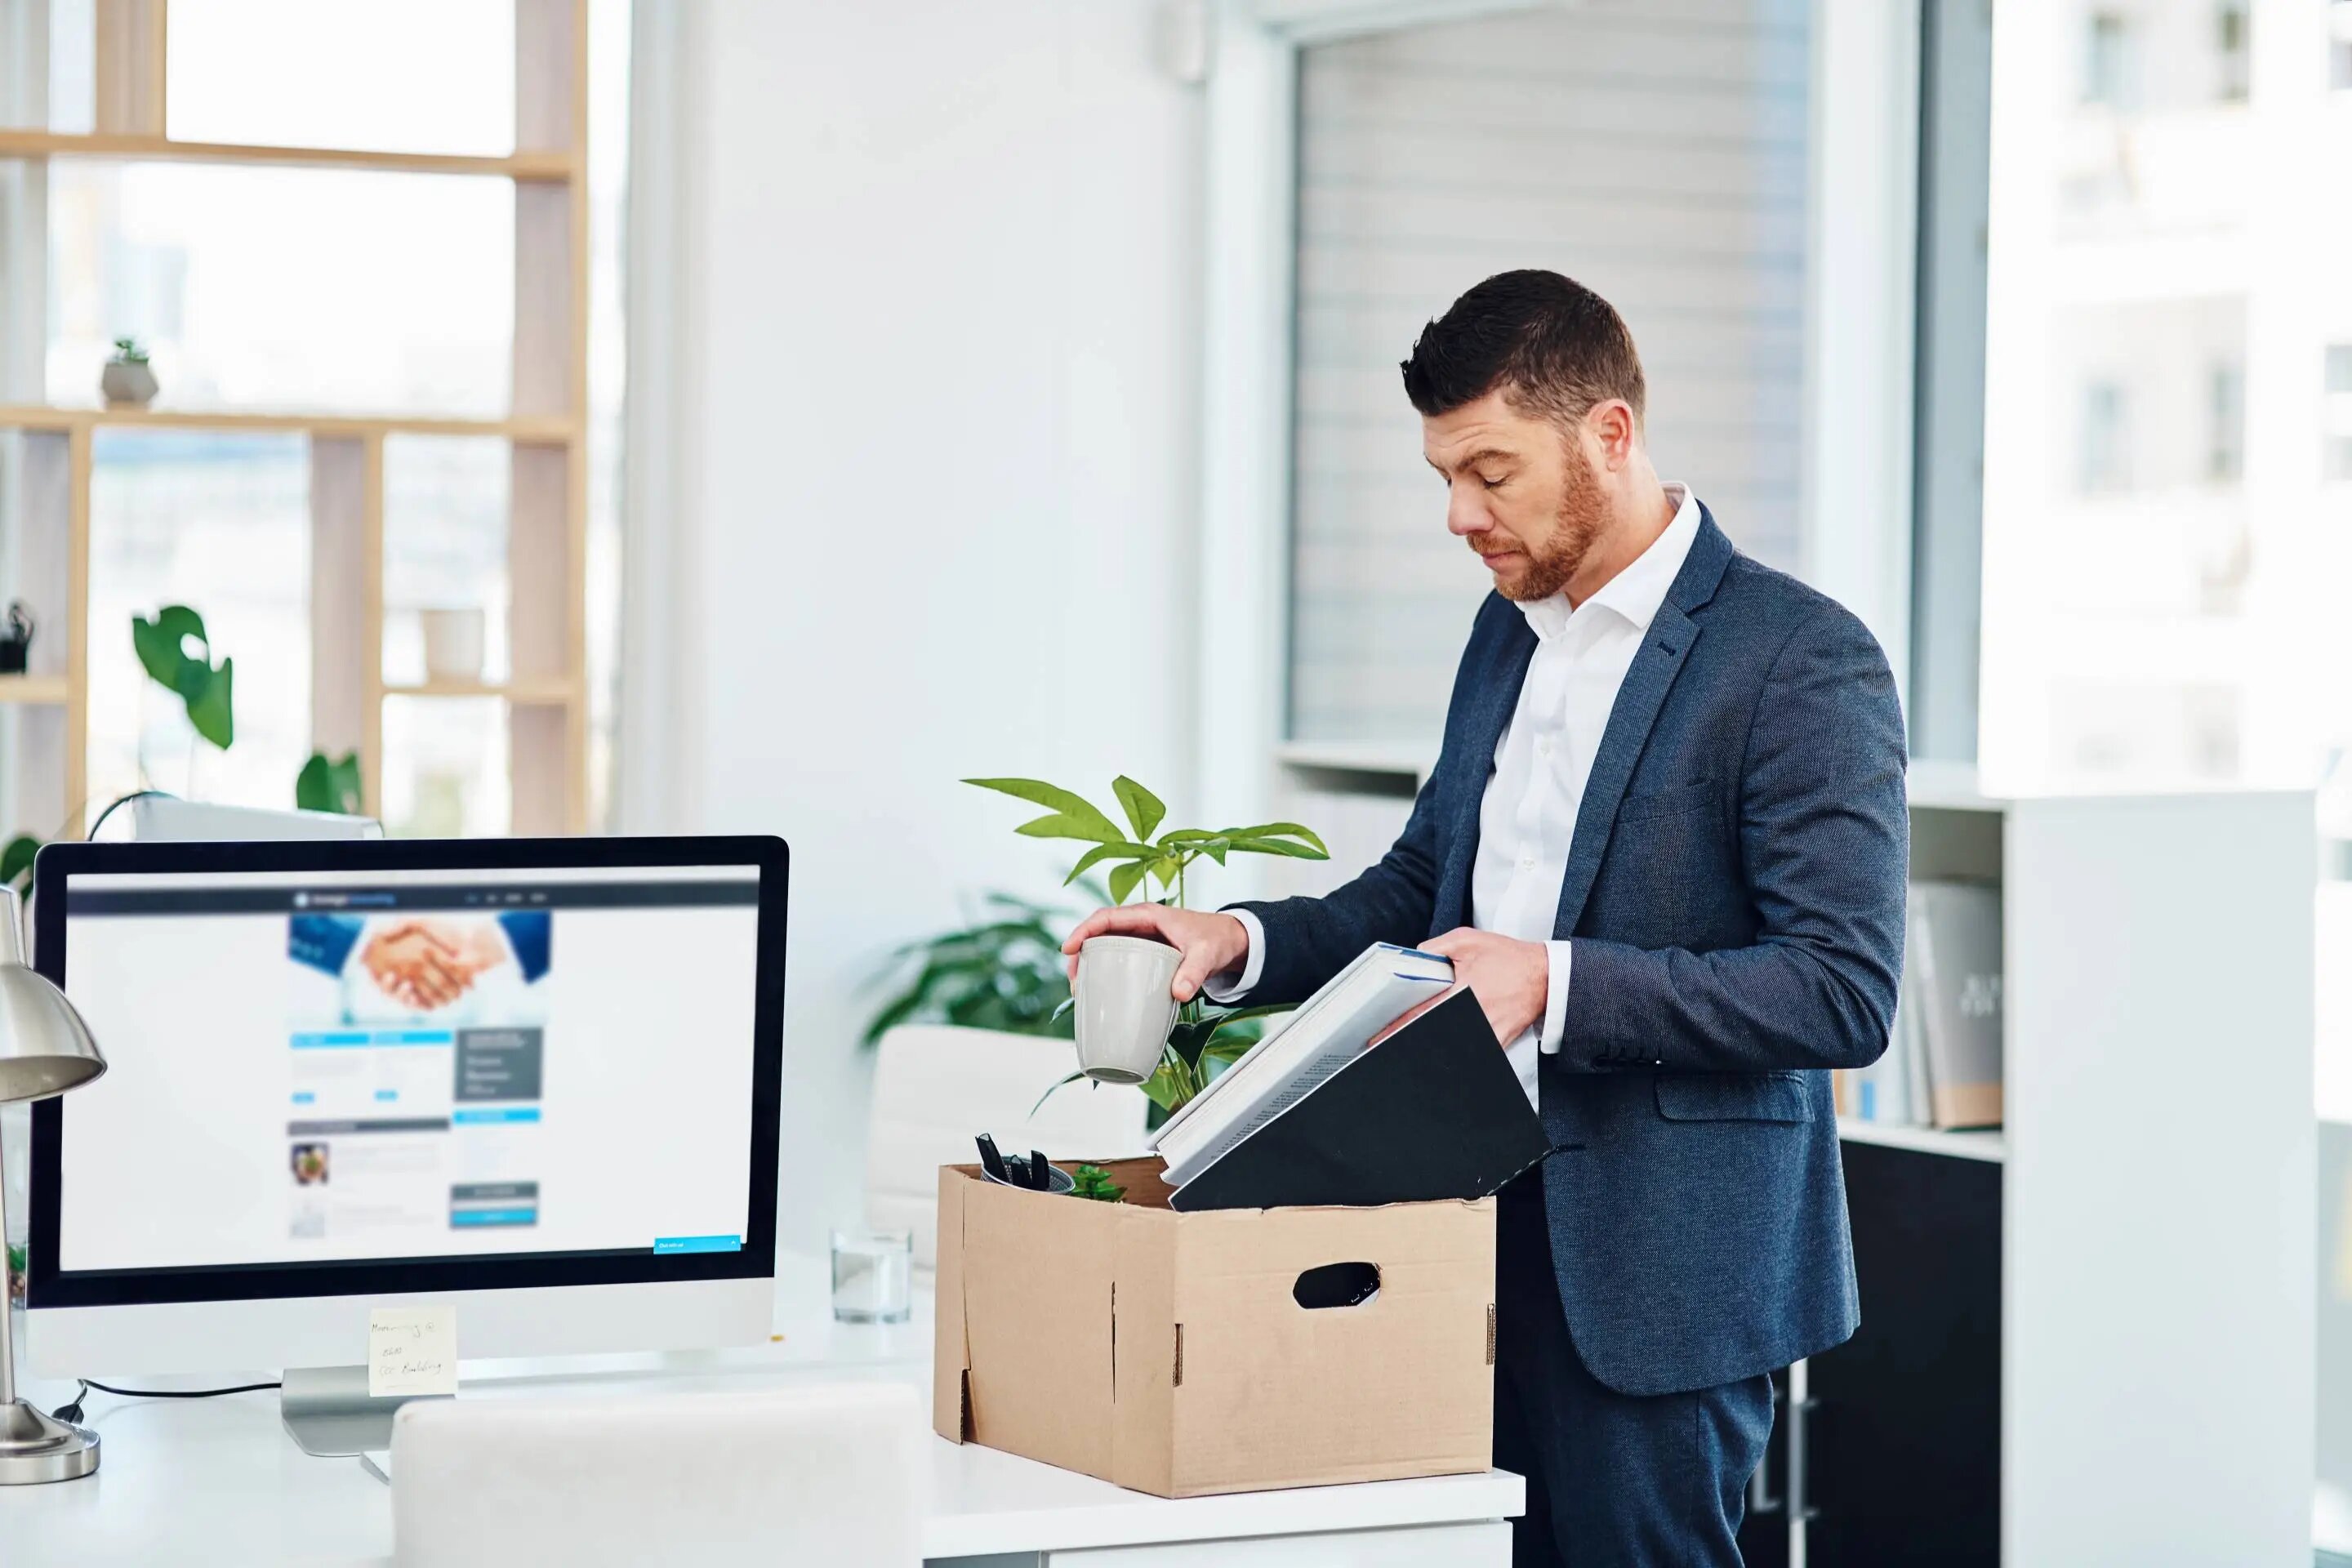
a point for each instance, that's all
(928, 369)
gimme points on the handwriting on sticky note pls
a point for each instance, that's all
(412, 1350)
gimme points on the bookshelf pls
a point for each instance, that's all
(2038, 1377)
(53, 447)
(2035, 1375)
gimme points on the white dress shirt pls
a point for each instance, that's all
(1526, 820)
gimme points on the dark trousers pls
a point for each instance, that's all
(1614, 1480)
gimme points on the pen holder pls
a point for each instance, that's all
(1123, 1007)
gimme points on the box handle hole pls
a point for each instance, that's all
(1336, 1285)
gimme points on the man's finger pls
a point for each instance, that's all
(1111, 920)
(1190, 975)
(1449, 945)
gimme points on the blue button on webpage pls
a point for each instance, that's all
(698, 1244)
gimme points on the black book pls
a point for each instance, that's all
(1433, 1112)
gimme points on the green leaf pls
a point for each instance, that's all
(210, 710)
(1057, 1083)
(1056, 799)
(1280, 846)
(1240, 1015)
(1063, 825)
(1144, 809)
(1102, 852)
(158, 644)
(1123, 881)
(1280, 830)
(329, 785)
(17, 860)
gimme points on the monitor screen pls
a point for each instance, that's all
(412, 1063)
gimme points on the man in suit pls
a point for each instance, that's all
(1665, 844)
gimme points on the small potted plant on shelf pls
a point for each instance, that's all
(127, 381)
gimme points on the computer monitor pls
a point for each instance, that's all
(535, 1079)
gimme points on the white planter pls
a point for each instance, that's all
(127, 385)
(454, 641)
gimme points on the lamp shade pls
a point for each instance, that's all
(44, 1047)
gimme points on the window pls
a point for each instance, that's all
(1702, 251)
(2340, 45)
(2339, 370)
(2235, 57)
(325, 288)
(2107, 63)
(2103, 464)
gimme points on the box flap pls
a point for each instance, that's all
(1035, 1274)
(1143, 1428)
(950, 1355)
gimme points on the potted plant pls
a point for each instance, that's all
(1002, 970)
(1205, 1038)
(17, 640)
(128, 380)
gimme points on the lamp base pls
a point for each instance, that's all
(35, 1447)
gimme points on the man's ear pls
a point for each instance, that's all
(1613, 429)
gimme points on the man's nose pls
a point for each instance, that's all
(1465, 512)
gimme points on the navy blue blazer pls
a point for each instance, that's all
(1735, 899)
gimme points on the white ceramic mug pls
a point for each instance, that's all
(454, 643)
(1124, 1009)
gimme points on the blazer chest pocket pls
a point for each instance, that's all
(1666, 802)
(1733, 1097)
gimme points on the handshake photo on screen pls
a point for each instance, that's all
(443, 967)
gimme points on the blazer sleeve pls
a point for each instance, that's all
(1307, 941)
(1824, 842)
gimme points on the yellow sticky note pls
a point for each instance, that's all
(412, 1350)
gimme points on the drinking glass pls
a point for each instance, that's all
(873, 1276)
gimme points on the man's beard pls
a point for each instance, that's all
(1583, 515)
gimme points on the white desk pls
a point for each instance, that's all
(217, 1481)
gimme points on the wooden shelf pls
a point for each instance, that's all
(527, 692)
(1991, 1144)
(526, 430)
(36, 688)
(538, 168)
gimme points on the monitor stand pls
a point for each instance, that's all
(328, 1413)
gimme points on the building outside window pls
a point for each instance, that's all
(2235, 56)
(2104, 461)
(2108, 61)
(2225, 444)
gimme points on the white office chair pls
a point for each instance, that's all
(935, 1088)
(829, 1476)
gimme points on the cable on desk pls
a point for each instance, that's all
(71, 1410)
(113, 806)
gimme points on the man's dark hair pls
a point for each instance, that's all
(1548, 343)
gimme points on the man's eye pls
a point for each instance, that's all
(1490, 484)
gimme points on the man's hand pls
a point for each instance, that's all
(1211, 943)
(414, 962)
(1511, 979)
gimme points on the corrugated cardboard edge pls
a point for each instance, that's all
(950, 1351)
(1145, 1344)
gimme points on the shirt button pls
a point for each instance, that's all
(1527, 862)
(1543, 745)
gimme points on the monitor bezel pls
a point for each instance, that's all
(48, 1287)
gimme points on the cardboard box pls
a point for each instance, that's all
(1170, 1352)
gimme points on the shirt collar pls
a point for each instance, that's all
(1635, 593)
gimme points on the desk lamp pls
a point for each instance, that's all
(45, 1050)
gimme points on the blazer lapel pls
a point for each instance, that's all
(1665, 648)
(1480, 730)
